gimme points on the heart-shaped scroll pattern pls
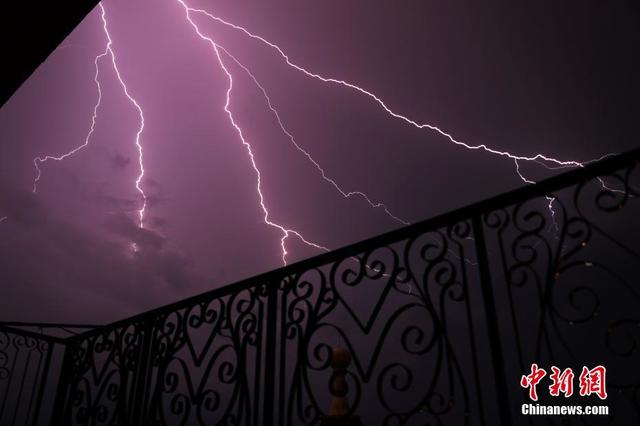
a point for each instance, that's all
(194, 381)
(201, 325)
(102, 356)
(371, 302)
(374, 341)
(108, 367)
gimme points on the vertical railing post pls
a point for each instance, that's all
(63, 389)
(142, 376)
(270, 355)
(486, 285)
(44, 375)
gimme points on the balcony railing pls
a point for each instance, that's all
(439, 319)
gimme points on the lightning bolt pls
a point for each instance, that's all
(542, 160)
(331, 181)
(108, 51)
(285, 232)
(41, 160)
(536, 158)
(552, 212)
(546, 162)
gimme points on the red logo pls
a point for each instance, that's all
(531, 381)
(591, 381)
(562, 382)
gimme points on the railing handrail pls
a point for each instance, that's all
(33, 334)
(47, 324)
(546, 186)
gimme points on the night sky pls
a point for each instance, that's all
(557, 78)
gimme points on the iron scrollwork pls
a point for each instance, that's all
(423, 314)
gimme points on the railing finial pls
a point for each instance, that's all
(339, 409)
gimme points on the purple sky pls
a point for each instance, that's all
(542, 78)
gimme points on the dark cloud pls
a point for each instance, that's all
(57, 270)
(158, 222)
(119, 161)
(124, 226)
(113, 203)
(21, 206)
(523, 76)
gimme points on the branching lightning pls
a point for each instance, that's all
(41, 160)
(552, 212)
(222, 55)
(539, 158)
(344, 193)
(546, 162)
(108, 51)
(286, 232)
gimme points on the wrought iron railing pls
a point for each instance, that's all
(439, 319)
(27, 375)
